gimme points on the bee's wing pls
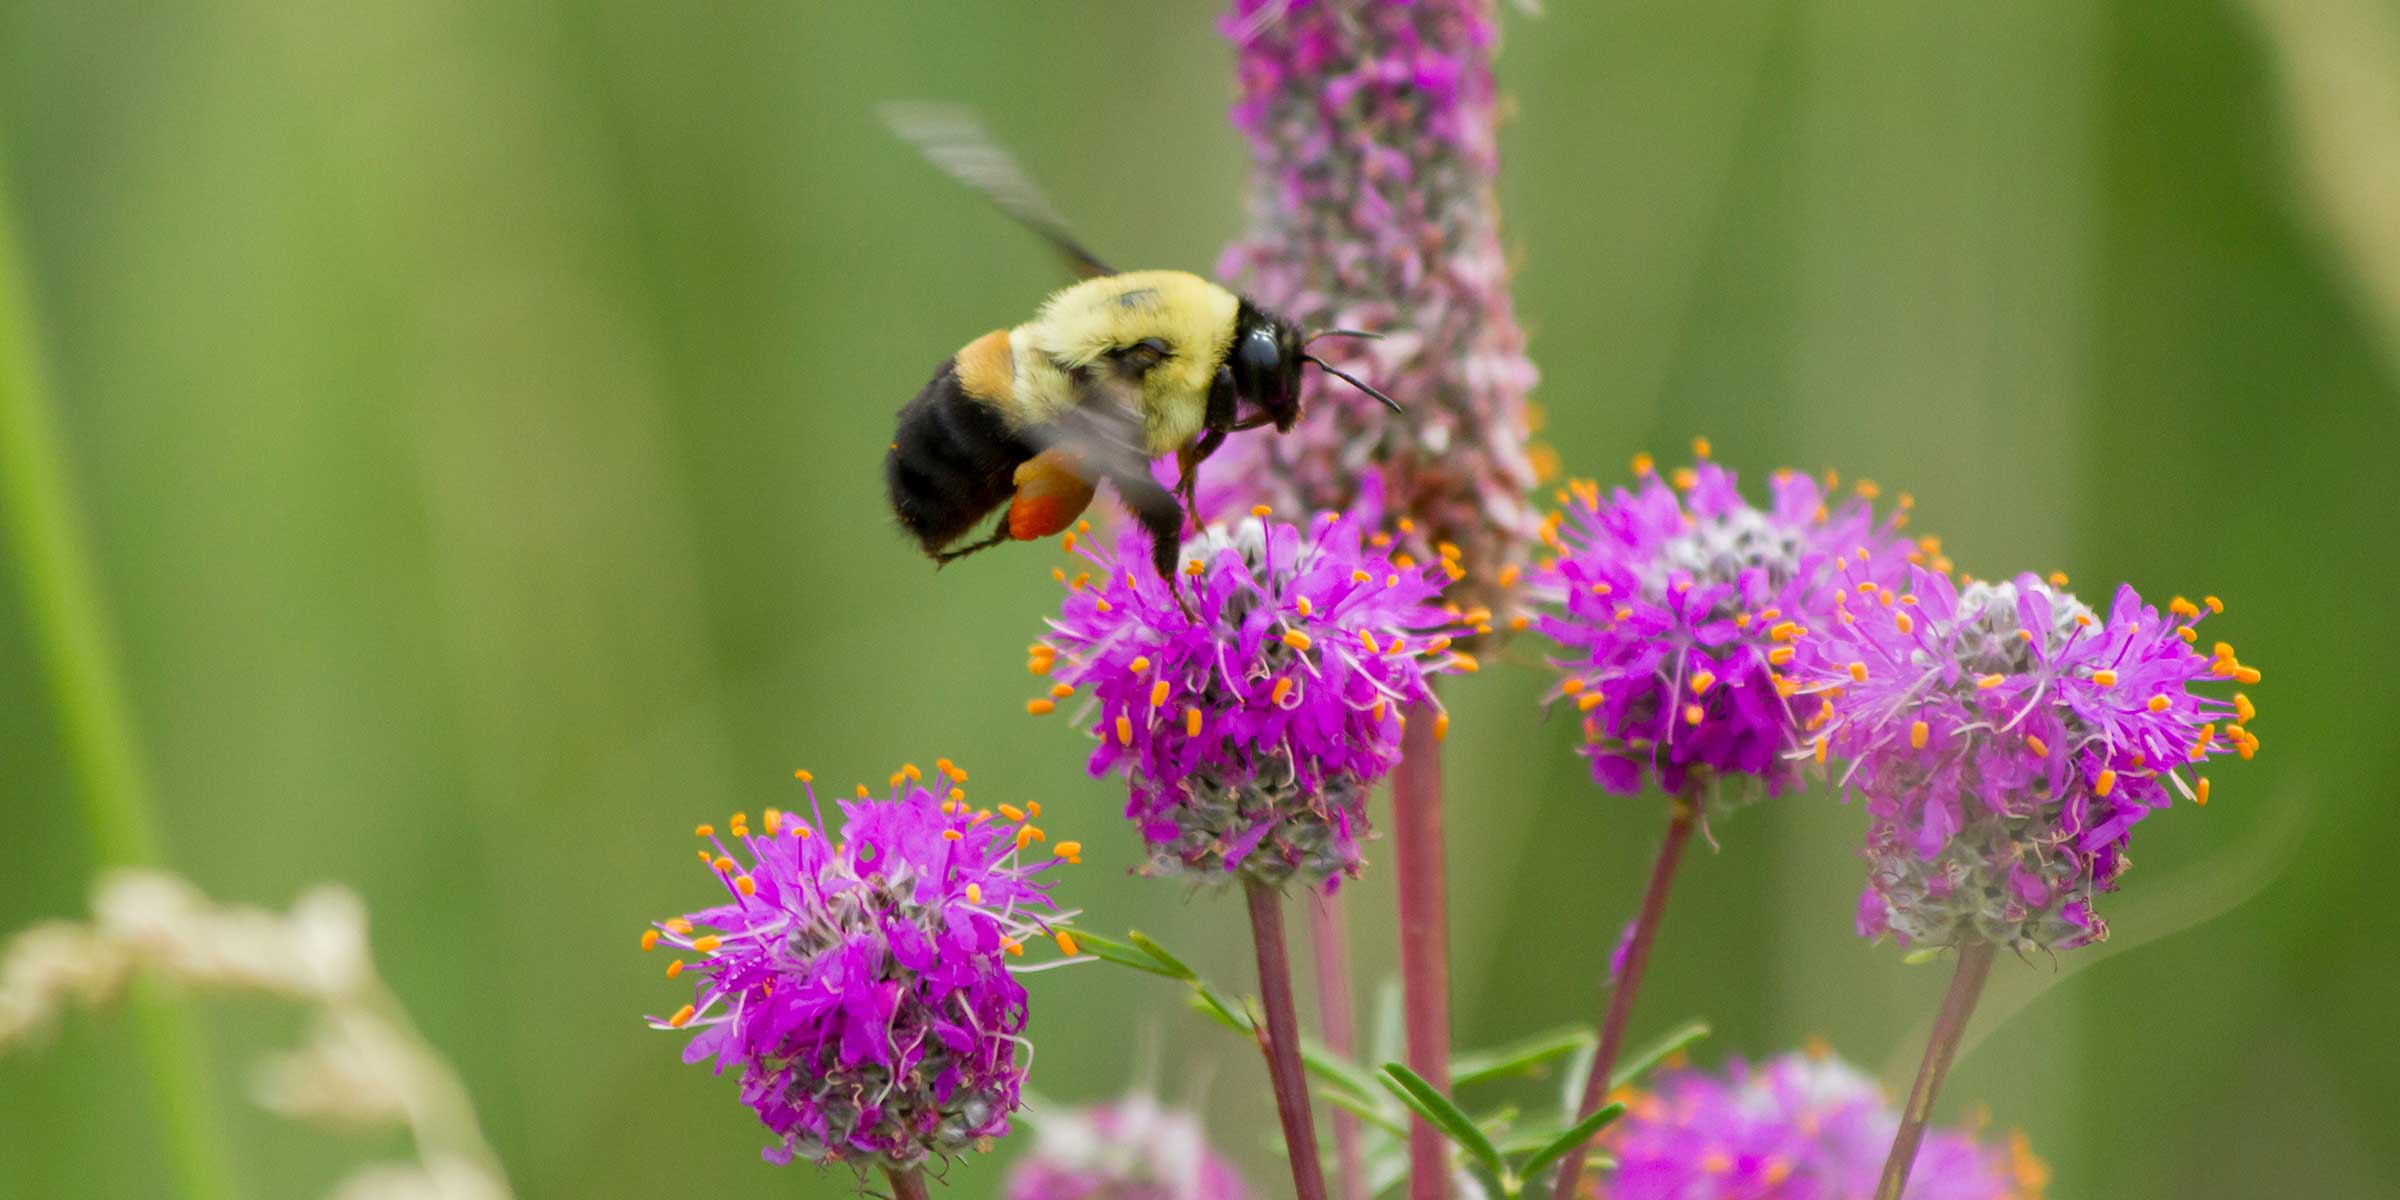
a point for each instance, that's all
(1103, 434)
(954, 139)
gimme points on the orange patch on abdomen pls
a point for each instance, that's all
(1050, 495)
(986, 367)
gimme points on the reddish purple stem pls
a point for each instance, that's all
(1281, 1041)
(1424, 936)
(1629, 982)
(1958, 1004)
(906, 1185)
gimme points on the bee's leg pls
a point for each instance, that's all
(1214, 422)
(999, 534)
(1189, 459)
(1160, 515)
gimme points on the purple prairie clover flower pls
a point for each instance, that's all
(2007, 738)
(1799, 1127)
(857, 979)
(1373, 154)
(1251, 706)
(1677, 606)
(1134, 1149)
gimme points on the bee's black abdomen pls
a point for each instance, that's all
(953, 460)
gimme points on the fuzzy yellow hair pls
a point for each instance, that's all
(1079, 324)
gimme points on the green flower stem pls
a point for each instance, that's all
(52, 562)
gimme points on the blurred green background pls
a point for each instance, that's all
(475, 411)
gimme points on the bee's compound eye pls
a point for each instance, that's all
(1257, 356)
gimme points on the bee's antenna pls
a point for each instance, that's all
(1352, 380)
(1356, 333)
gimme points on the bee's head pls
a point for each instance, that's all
(1268, 354)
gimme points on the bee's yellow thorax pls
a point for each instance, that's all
(1078, 325)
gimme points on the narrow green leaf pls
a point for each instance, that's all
(1109, 950)
(1656, 1052)
(1368, 1111)
(1175, 966)
(1570, 1080)
(1428, 1102)
(1493, 1122)
(1333, 1068)
(1222, 1007)
(1525, 1140)
(1581, 1132)
(1521, 1058)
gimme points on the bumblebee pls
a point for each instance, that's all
(1111, 373)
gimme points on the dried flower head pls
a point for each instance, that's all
(1802, 1127)
(2007, 738)
(1678, 607)
(857, 978)
(1134, 1149)
(151, 921)
(363, 1066)
(1373, 153)
(1251, 706)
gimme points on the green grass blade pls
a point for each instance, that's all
(71, 635)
